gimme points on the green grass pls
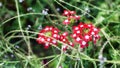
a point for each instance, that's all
(18, 46)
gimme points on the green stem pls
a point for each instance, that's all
(60, 59)
(20, 26)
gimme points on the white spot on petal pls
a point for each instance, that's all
(74, 35)
(83, 43)
(42, 39)
(66, 13)
(46, 28)
(78, 32)
(89, 25)
(46, 44)
(55, 31)
(67, 20)
(81, 25)
(64, 46)
(64, 39)
(76, 28)
(95, 29)
(48, 39)
(54, 41)
(78, 39)
(55, 35)
(92, 33)
(86, 37)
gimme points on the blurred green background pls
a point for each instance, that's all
(21, 20)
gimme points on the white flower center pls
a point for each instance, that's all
(55, 31)
(46, 28)
(78, 39)
(54, 41)
(89, 25)
(46, 44)
(86, 37)
(95, 29)
(42, 39)
(76, 28)
(78, 32)
(83, 43)
(66, 12)
(66, 20)
(55, 35)
(64, 39)
(74, 35)
(48, 39)
(81, 25)
(92, 33)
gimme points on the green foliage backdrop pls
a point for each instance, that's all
(21, 20)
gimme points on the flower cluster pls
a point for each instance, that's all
(47, 36)
(81, 34)
(70, 16)
(64, 39)
(84, 33)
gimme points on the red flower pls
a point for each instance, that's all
(56, 36)
(83, 33)
(54, 42)
(66, 22)
(70, 17)
(46, 36)
(77, 17)
(66, 13)
(40, 40)
(78, 39)
(87, 38)
(64, 39)
(64, 47)
(71, 44)
(72, 12)
(46, 45)
(65, 34)
(83, 44)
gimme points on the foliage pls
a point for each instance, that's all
(21, 21)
